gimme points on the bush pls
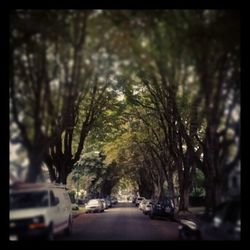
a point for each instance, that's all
(197, 197)
(197, 192)
(72, 194)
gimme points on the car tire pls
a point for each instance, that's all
(68, 230)
(50, 235)
(182, 235)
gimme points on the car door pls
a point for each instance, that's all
(68, 207)
(62, 208)
(54, 210)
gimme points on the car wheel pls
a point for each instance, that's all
(68, 230)
(50, 235)
(182, 235)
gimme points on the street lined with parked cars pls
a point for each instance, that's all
(123, 222)
(45, 211)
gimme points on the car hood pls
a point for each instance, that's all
(27, 213)
(191, 224)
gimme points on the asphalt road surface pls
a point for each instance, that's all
(122, 222)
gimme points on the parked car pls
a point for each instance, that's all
(188, 230)
(134, 199)
(114, 200)
(224, 224)
(142, 204)
(94, 205)
(138, 200)
(105, 203)
(81, 202)
(163, 208)
(147, 207)
(109, 203)
(39, 211)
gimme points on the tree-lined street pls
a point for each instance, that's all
(129, 103)
(122, 222)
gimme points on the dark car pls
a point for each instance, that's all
(163, 208)
(224, 224)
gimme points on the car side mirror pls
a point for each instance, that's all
(55, 202)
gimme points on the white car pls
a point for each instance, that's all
(94, 205)
(139, 200)
(147, 207)
(39, 210)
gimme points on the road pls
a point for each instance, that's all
(122, 222)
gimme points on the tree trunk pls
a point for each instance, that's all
(158, 191)
(212, 171)
(170, 180)
(217, 193)
(49, 163)
(184, 197)
(64, 172)
(213, 190)
(34, 168)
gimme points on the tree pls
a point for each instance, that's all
(158, 92)
(170, 64)
(47, 51)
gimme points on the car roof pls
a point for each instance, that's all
(27, 187)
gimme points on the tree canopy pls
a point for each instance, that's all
(155, 92)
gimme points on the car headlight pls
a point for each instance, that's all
(217, 221)
(238, 227)
(38, 219)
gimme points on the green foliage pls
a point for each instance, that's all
(199, 178)
(197, 192)
(168, 81)
(95, 176)
(72, 194)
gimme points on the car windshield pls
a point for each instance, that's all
(29, 200)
